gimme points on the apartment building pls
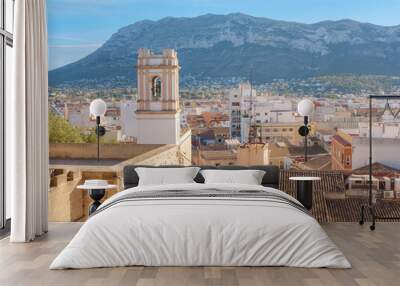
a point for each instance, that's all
(275, 132)
(350, 147)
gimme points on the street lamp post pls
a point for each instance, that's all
(98, 108)
(305, 108)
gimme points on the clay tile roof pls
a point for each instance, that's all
(224, 130)
(332, 181)
(378, 169)
(348, 209)
(340, 140)
(312, 150)
(328, 209)
(323, 162)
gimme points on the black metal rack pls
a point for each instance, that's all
(370, 206)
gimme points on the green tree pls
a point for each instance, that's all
(89, 137)
(61, 131)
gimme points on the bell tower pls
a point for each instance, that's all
(158, 111)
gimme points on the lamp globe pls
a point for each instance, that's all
(98, 107)
(305, 107)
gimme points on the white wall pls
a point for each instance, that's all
(273, 110)
(324, 113)
(128, 118)
(380, 130)
(245, 129)
(281, 117)
(158, 129)
(80, 117)
(385, 151)
(265, 109)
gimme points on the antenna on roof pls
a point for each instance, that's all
(389, 108)
(253, 130)
(251, 94)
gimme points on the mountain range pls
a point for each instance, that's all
(222, 47)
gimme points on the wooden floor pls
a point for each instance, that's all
(375, 257)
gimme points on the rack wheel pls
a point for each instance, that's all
(372, 227)
(361, 222)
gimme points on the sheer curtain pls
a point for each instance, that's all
(26, 119)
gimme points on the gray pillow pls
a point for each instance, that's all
(166, 176)
(247, 177)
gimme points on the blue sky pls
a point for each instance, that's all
(78, 27)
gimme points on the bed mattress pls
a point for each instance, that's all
(201, 225)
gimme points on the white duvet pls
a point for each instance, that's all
(200, 231)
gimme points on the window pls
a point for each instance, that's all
(6, 43)
(348, 161)
(156, 88)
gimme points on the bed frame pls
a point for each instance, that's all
(270, 179)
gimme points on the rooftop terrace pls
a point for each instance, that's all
(330, 204)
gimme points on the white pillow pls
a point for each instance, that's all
(166, 176)
(248, 177)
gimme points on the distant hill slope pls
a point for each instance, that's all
(226, 46)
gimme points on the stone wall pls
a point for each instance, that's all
(67, 203)
(111, 177)
(107, 151)
(165, 155)
(185, 149)
(253, 154)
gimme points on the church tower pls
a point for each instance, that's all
(158, 111)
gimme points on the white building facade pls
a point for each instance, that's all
(385, 144)
(128, 120)
(247, 108)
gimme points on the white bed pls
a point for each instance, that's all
(201, 231)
